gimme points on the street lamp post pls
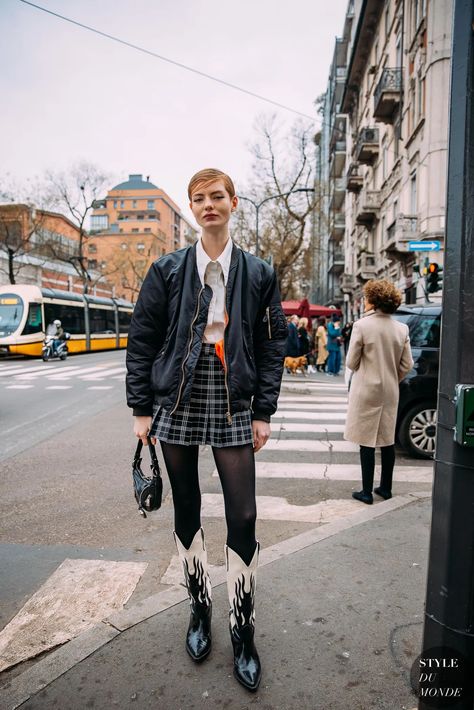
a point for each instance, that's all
(257, 206)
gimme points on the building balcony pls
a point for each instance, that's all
(338, 129)
(387, 95)
(336, 262)
(338, 193)
(99, 204)
(368, 207)
(337, 225)
(354, 180)
(367, 146)
(348, 283)
(338, 159)
(366, 268)
(402, 231)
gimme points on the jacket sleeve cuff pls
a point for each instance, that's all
(143, 412)
(261, 417)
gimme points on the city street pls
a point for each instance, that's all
(67, 444)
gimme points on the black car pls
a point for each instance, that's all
(416, 420)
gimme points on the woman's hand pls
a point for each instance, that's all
(141, 428)
(261, 433)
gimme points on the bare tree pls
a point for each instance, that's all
(284, 162)
(74, 193)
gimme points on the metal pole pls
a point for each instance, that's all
(449, 615)
(256, 229)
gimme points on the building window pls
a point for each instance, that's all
(147, 229)
(99, 222)
(134, 203)
(395, 209)
(92, 249)
(115, 204)
(92, 263)
(382, 230)
(140, 216)
(413, 194)
(384, 159)
(387, 20)
(140, 247)
(150, 205)
(124, 246)
(122, 203)
(103, 264)
(135, 230)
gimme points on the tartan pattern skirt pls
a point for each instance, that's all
(203, 420)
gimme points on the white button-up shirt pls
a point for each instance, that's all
(214, 274)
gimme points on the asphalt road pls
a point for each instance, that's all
(66, 446)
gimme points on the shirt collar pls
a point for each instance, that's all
(202, 259)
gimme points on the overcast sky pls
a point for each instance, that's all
(69, 95)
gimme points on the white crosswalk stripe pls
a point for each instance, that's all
(26, 377)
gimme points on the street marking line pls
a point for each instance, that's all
(104, 373)
(101, 387)
(18, 387)
(289, 426)
(327, 400)
(320, 445)
(76, 596)
(58, 387)
(275, 508)
(23, 371)
(285, 413)
(336, 472)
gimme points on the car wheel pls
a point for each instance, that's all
(417, 432)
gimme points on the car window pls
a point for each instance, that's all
(424, 330)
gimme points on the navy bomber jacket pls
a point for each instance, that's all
(167, 327)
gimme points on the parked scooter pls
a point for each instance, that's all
(61, 350)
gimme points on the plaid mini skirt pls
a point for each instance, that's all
(203, 420)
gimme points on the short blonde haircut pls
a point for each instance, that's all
(383, 295)
(303, 323)
(205, 177)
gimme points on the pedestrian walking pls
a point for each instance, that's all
(322, 341)
(379, 356)
(346, 335)
(205, 361)
(303, 340)
(334, 345)
(292, 346)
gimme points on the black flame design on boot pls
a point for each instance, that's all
(198, 583)
(241, 585)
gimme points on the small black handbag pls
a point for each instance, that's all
(148, 491)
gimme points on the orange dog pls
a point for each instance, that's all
(293, 363)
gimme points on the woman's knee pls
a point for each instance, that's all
(242, 521)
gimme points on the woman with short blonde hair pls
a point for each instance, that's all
(205, 362)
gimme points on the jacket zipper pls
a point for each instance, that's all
(227, 414)
(269, 326)
(189, 350)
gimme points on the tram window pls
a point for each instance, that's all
(124, 321)
(98, 320)
(34, 324)
(71, 317)
(110, 315)
(11, 313)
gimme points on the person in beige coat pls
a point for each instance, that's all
(379, 356)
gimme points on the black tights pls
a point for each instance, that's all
(236, 469)
(367, 462)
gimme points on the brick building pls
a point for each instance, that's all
(135, 224)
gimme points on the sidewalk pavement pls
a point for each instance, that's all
(339, 623)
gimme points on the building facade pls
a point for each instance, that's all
(39, 247)
(135, 224)
(395, 102)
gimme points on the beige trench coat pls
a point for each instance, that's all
(380, 356)
(322, 337)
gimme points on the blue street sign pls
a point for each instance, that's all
(424, 246)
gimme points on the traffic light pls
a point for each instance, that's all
(434, 281)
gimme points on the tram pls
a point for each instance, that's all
(94, 323)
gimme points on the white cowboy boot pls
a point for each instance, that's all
(198, 583)
(241, 583)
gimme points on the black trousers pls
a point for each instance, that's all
(367, 461)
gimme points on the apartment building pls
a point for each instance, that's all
(135, 224)
(396, 101)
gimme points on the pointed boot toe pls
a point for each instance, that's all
(247, 667)
(363, 497)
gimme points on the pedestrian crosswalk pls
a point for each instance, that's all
(307, 444)
(55, 375)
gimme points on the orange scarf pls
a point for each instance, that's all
(219, 346)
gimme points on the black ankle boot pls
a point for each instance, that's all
(383, 493)
(363, 497)
(198, 584)
(241, 582)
